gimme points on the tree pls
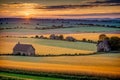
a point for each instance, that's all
(61, 37)
(102, 37)
(36, 36)
(69, 38)
(42, 37)
(84, 40)
(114, 43)
(52, 36)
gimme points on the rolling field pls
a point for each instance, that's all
(99, 64)
(87, 36)
(105, 65)
(48, 46)
(78, 35)
(58, 31)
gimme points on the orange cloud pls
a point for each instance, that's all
(38, 10)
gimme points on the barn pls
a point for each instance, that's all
(23, 49)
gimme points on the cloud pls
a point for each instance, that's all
(107, 2)
(18, 5)
(87, 4)
(93, 14)
(64, 6)
(90, 4)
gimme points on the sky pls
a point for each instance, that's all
(60, 9)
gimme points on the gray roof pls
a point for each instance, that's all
(22, 47)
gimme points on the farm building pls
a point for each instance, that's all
(103, 44)
(23, 49)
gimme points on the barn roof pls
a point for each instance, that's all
(22, 47)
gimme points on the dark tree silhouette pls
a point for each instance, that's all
(114, 43)
(61, 37)
(36, 36)
(52, 36)
(84, 40)
(69, 38)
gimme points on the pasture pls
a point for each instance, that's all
(107, 65)
(58, 31)
(43, 46)
(14, 76)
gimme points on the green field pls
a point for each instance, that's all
(8, 74)
(24, 77)
(90, 29)
(51, 31)
(55, 43)
(66, 44)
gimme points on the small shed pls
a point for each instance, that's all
(24, 49)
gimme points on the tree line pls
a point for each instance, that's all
(113, 41)
(61, 37)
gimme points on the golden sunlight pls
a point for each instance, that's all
(27, 15)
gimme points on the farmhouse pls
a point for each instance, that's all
(103, 44)
(24, 49)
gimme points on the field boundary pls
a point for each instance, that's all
(55, 75)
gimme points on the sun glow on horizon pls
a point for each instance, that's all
(27, 15)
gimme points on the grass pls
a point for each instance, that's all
(65, 30)
(25, 77)
(96, 59)
(43, 46)
(89, 29)
(32, 75)
(56, 43)
(66, 44)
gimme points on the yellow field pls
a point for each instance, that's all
(79, 36)
(7, 47)
(102, 65)
(90, 36)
